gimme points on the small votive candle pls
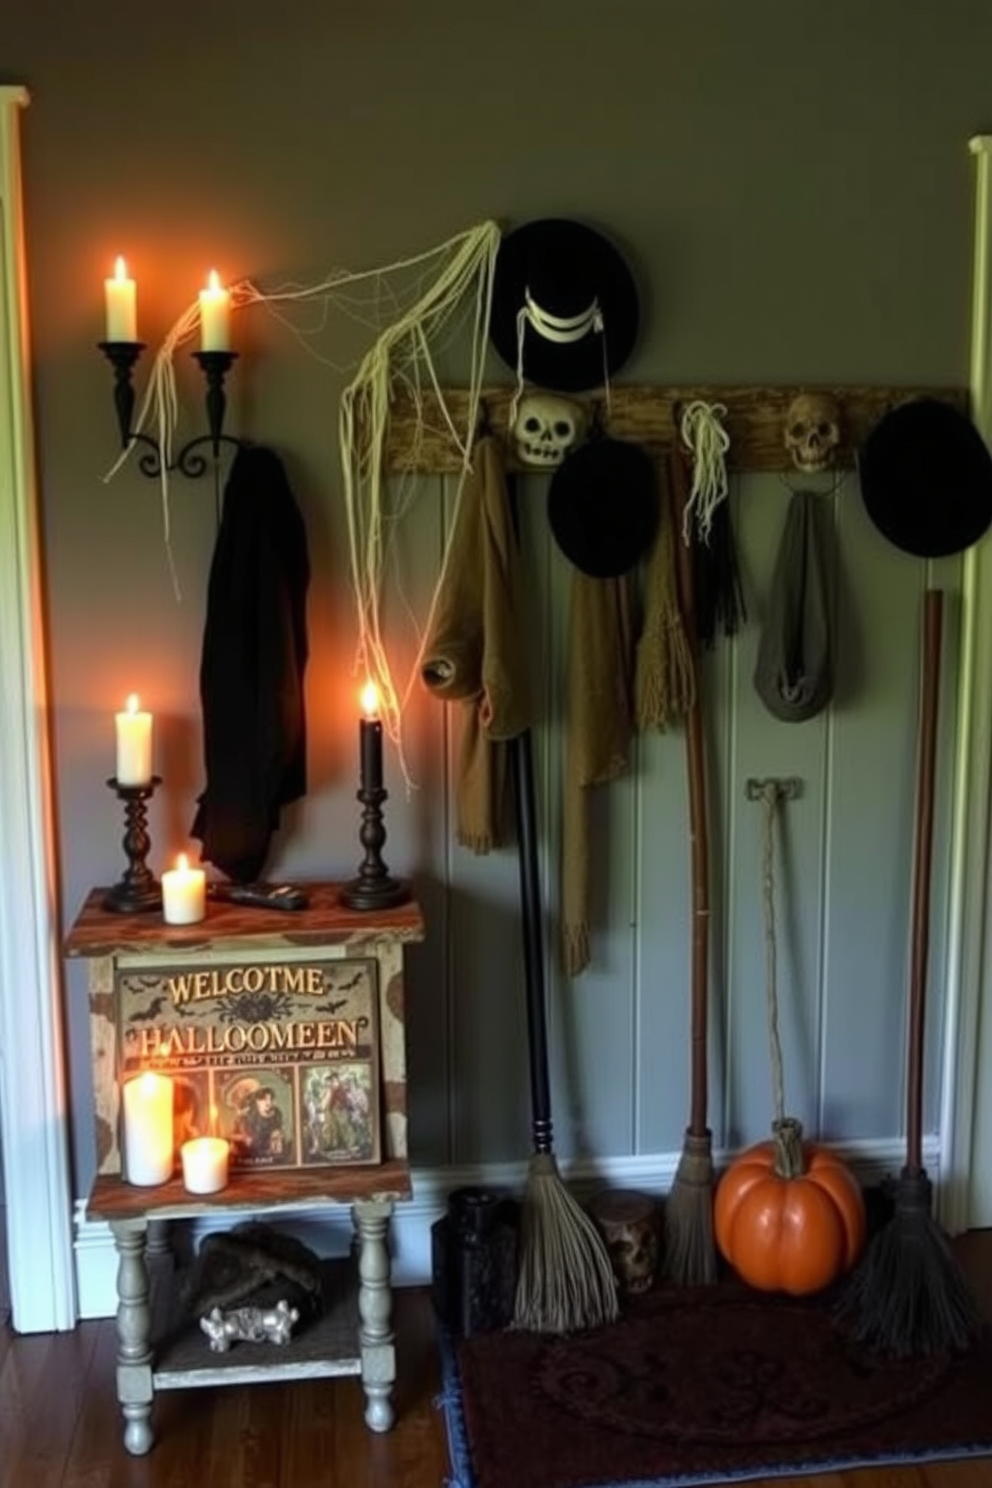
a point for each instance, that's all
(205, 1161)
(134, 743)
(149, 1150)
(184, 893)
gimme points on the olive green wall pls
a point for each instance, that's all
(792, 183)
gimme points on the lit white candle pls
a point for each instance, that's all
(149, 1149)
(134, 744)
(122, 305)
(205, 1161)
(215, 315)
(184, 893)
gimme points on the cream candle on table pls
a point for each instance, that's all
(205, 1161)
(184, 893)
(149, 1149)
(121, 296)
(134, 744)
(215, 315)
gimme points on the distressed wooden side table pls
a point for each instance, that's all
(158, 1347)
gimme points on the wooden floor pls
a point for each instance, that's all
(60, 1424)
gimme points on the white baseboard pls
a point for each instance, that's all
(96, 1258)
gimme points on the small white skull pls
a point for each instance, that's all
(812, 431)
(545, 429)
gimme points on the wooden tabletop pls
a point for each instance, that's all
(326, 921)
(112, 1198)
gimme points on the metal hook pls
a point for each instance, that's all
(788, 789)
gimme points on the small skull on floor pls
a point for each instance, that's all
(249, 1325)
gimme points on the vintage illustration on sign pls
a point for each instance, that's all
(279, 1057)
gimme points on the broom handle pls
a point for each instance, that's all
(522, 758)
(699, 846)
(922, 854)
(521, 751)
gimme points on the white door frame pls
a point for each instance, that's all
(966, 1112)
(33, 1098)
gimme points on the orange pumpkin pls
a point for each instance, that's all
(789, 1216)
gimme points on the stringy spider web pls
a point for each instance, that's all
(415, 308)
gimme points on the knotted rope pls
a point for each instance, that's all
(708, 442)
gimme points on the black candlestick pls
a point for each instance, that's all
(138, 888)
(374, 888)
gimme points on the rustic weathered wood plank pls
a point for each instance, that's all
(755, 418)
(286, 1188)
(326, 921)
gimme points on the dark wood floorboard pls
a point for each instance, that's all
(60, 1425)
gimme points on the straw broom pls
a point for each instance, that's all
(909, 1296)
(565, 1279)
(690, 1252)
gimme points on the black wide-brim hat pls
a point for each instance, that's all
(603, 506)
(566, 267)
(926, 478)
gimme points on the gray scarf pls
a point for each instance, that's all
(794, 675)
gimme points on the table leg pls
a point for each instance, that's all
(134, 1328)
(375, 1301)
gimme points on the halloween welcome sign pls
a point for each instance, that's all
(280, 1057)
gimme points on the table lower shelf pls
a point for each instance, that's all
(321, 1347)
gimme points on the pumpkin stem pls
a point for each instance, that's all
(790, 1160)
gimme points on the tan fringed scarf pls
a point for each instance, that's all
(474, 654)
(665, 676)
(598, 730)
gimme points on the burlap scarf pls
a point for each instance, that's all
(474, 654)
(611, 685)
(598, 730)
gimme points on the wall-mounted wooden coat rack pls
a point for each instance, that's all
(646, 414)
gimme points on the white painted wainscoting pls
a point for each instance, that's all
(96, 1259)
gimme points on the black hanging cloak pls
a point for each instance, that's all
(252, 667)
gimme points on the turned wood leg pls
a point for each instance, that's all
(158, 1245)
(134, 1327)
(375, 1303)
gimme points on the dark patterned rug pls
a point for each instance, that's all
(696, 1386)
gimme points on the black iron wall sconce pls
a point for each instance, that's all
(123, 350)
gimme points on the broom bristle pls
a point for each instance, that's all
(909, 1296)
(565, 1281)
(690, 1252)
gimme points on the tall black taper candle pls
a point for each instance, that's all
(370, 735)
(373, 888)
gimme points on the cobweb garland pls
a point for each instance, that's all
(401, 359)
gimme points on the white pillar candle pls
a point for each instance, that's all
(215, 315)
(134, 744)
(205, 1162)
(122, 305)
(184, 893)
(149, 1149)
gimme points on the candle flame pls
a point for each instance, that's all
(370, 700)
(213, 280)
(182, 863)
(133, 703)
(120, 269)
(149, 1081)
